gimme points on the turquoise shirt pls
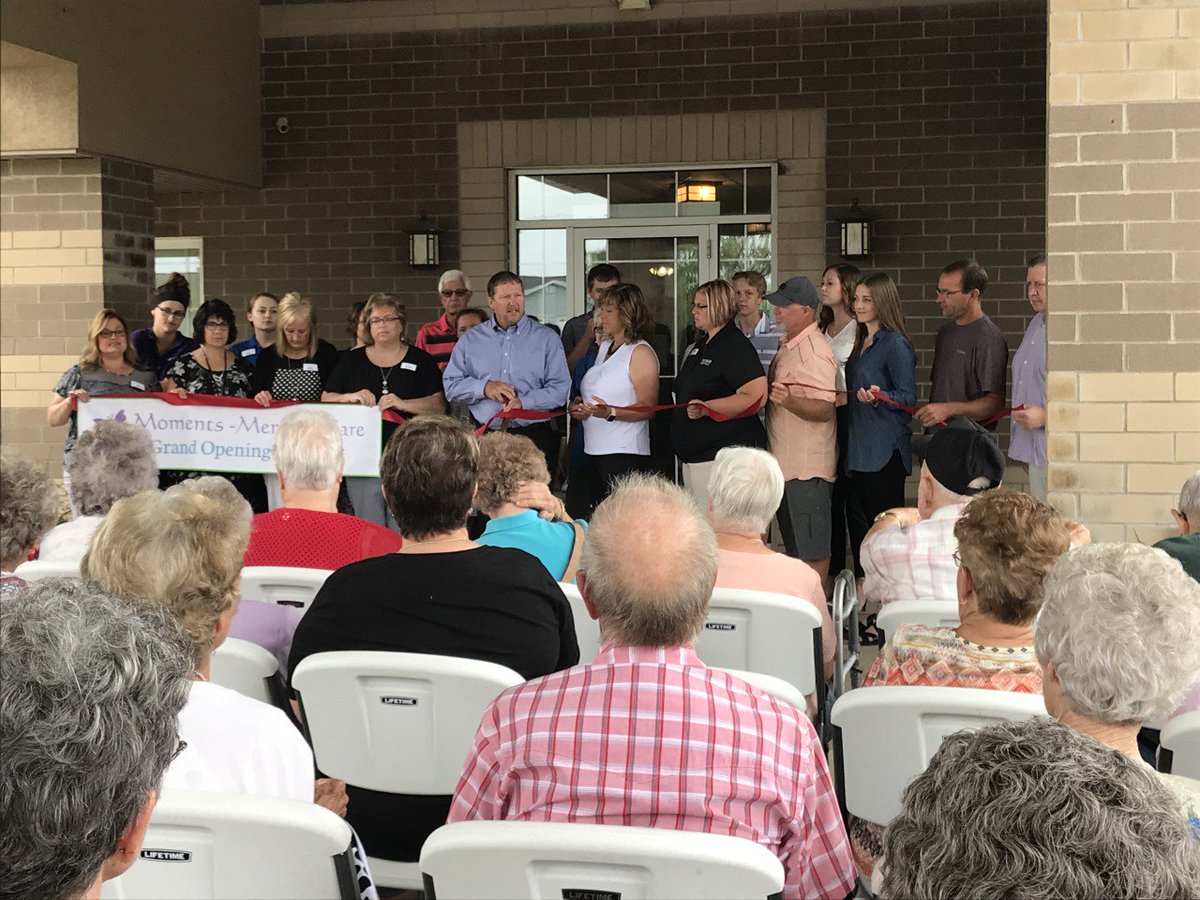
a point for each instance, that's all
(551, 542)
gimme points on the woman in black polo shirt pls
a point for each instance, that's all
(723, 371)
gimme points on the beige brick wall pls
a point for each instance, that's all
(1123, 234)
(794, 138)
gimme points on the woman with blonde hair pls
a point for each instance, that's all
(722, 374)
(625, 373)
(182, 549)
(879, 443)
(299, 363)
(390, 373)
(107, 365)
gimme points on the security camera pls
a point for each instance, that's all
(281, 125)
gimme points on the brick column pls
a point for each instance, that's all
(1123, 233)
(75, 235)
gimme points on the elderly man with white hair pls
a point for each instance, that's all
(744, 491)
(1186, 546)
(909, 552)
(646, 735)
(308, 531)
(437, 338)
(1117, 640)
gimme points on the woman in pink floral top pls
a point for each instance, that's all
(1007, 544)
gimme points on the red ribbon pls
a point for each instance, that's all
(389, 415)
(913, 410)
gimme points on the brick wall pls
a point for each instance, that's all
(1124, 241)
(936, 122)
(75, 235)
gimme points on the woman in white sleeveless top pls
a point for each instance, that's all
(625, 374)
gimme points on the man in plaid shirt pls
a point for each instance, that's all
(647, 735)
(909, 553)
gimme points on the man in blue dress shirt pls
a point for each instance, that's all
(511, 362)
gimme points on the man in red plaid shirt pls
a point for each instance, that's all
(646, 734)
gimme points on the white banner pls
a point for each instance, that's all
(198, 434)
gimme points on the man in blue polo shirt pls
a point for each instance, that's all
(511, 362)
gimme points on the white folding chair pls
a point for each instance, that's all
(934, 613)
(282, 584)
(885, 736)
(776, 687)
(1179, 746)
(401, 723)
(544, 860)
(248, 669)
(36, 569)
(587, 629)
(775, 634)
(204, 845)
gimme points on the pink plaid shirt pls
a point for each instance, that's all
(650, 736)
(915, 563)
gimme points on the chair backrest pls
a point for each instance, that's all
(402, 723)
(545, 860)
(201, 845)
(587, 629)
(246, 668)
(885, 736)
(933, 613)
(756, 631)
(36, 569)
(1180, 739)
(776, 687)
(282, 584)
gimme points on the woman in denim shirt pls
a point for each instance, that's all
(879, 455)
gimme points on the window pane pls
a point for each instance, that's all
(542, 265)
(575, 196)
(745, 248)
(177, 256)
(758, 191)
(531, 203)
(641, 194)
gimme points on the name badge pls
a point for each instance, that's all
(137, 385)
(695, 350)
(310, 367)
(706, 362)
(412, 367)
(249, 352)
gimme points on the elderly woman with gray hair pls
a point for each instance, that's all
(1033, 809)
(111, 460)
(90, 692)
(1117, 642)
(28, 508)
(745, 489)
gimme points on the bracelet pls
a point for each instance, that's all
(886, 512)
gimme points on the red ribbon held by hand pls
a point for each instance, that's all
(913, 410)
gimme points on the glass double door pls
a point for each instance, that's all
(667, 263)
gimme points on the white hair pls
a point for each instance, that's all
(649, 564)
(454, 275)
(1120, 624)
(745, 489)
(1189, 501)
(308, 450)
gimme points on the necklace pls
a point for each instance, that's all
(385, 375)
(208, 362)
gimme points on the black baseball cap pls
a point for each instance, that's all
(959, 454)
(797, 289)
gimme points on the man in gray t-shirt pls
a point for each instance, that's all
(970, 356)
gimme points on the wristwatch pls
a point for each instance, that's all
(886, 512)
(612, 415)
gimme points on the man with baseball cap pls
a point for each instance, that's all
(909, 553)
(800, 423)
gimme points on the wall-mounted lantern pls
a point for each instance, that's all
(856, 232)
(423, 244)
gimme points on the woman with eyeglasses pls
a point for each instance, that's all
(107, 365)
(213, 369)
(721, 373)
(158, 346)
(390, 373)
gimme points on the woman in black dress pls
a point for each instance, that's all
(212, 369)
(390, 373)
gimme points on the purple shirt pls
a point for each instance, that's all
(1029, 389)
(145, 345)
(528, 356)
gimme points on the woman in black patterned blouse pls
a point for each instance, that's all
(297, 366)
(212, 369)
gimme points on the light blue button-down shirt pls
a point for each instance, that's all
(529, 356)
(1029, 388)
